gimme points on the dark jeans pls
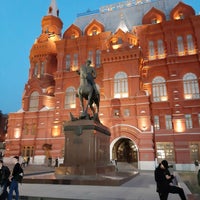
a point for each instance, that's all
(13, 187)
(173, 190)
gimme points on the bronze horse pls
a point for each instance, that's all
(86, 91)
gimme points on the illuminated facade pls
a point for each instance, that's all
(3, 131)
(146, 54)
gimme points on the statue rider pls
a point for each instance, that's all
(90, 76)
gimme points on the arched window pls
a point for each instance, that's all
(191, 87)
(94, 31)
(159, 91)
(190, 44)
(36, 66)
(120, 85)
(70, 98)
(42, 68)
(34, 101)
(75, 62)
(180, 45)
(151, 50)
(98, 58)
(160, 49)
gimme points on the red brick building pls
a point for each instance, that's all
(3, 131)
(147, 57)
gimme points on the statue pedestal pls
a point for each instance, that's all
(86, 149)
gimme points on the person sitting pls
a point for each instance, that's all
(163, 180)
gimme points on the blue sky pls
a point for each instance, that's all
(20, 22)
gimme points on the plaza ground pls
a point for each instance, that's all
(139, 187)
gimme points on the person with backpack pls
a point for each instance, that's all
(16, 177)
(4, 180)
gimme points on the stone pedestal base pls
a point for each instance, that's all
(86, 149)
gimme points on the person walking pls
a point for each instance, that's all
(196, 164)
(4, 180)
(56, 162)
(17, 173)
(164, 179)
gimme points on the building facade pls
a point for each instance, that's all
(147, 57)
(3, 131)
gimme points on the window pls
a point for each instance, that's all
(28, 151)
(165, 150)
(154, 21)
(188, 121)
(42, 68)
(120, 85)
(33, 129)
(68, 62)
(161, 53)
(36, 69)
(126, 112)
(26, 129)
(34, 101)
(17, 133)
(190, 44)
(94, 31)
(181, 50)
(151, 50)
(39, 69)
(191, 87)
(199, 118)
(75, 62)
(70, 98)
(56, 130)
(181, 15)
(116, 113)
(168, 122)
(194, 151)
(159, 89)
(29, 129)
(90, 56)
(116, 42)
(73, 36)
(156, 122)
(98, 58)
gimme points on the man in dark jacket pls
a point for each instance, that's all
(4, 179)
(163, 179)
(16, 173)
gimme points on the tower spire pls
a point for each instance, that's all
(53, 9)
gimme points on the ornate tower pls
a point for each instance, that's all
(39, 90)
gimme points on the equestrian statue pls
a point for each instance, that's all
(88, 91)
